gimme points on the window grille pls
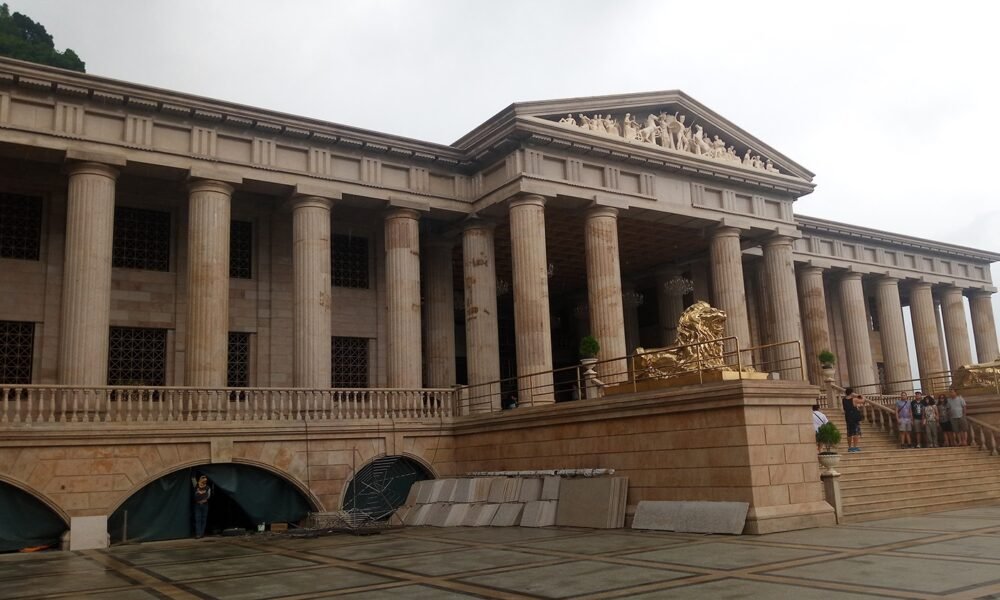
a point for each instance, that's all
(238, 365)
(350, 362)
(142, 239)
(137, 356)
(349, 261)
(20, 226)
(241, 250)
(17, 345)
(873, 316)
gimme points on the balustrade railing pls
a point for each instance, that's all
(112, 404)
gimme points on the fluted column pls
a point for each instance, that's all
(895, 355)
(669, 305)
(783, 322)
(402, 284)
(482, 340)
(815, 324)
(207, 283)
(86, 293)
(956, 330)
(984, 327)
(630, 307)
(859, 351)
(727, 283)
(925, 333)
(531, 299)
(439, 313)
(604, 291)
(311, 289)
(945, 360)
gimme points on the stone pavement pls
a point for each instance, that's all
(952, 554)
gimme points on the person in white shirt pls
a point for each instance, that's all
(818, 419)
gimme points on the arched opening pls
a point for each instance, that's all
(243, 496)
(381, 486)
(26, 522)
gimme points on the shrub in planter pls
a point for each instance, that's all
(826, 358)
(589, 347)
(828, 436)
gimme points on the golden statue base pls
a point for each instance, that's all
(710, 376)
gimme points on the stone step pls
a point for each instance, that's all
(858, 516)
(904, 483)
(902, 457)
(923, 498)
(908, 472)
(915, 489)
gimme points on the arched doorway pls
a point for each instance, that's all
(26, 522)
(381, 486)
(243, 496)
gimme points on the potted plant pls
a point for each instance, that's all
(588, 350)
(828, 436)
(826, 361)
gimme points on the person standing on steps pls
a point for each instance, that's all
(944, 417)
(852, 415)
(202, 494)
(959, 422)
(917, 410)
(931, 427)
(818, 419)
(904, 416)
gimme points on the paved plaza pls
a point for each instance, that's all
(952, 554)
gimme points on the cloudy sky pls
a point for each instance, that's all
(892, 104)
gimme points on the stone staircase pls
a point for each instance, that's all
(885, 481)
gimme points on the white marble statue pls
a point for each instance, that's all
(568, 120)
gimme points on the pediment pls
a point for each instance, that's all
(669, 122)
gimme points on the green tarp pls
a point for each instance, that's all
(163, 509)
(26, 522)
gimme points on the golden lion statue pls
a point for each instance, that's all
(979, 377)
(696, 347)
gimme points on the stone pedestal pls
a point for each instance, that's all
(604, 292)
(815, 324)
(86, 292)
(984, 327)
(895, 355)
(831, 489)
(727, 284)
(925, 333)
(311, 288)
(783, 322)
(482, 343)
(956, 331)
(402, 282)
(860, 367)
(439, 314)
(531, 300)
(207, 283)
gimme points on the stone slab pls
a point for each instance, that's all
(88, 533)
(693, 517)
(531, 490)
(417, 516)
(508, 514)
(498, 486)
(446, 490)
(480, 489)
(484, 516)
(539, 513)
(592, 502)
(412, 497)
(550, 488)
(456, 515)
(438, 514)
(463, 490)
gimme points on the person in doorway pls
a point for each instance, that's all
(959, 421)
(931, 425)
(944, 417)
(202, 494)
(818, 419)
(852, 415)
(917, 411)
(904, 416)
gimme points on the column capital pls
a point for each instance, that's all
(209, 185)
(811, 270)
(950, 290)
(777, 240)
(885, 280)
(527, 199)
(601, 211)
(401, 213)
(92, 168)
(724, 231)
(478, 223)
(978, 293)
(850, 276)
(921, 285)
(309, 201)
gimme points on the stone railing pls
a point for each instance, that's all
(41, 404)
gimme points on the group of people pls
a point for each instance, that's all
(924, 421)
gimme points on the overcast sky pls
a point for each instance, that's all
(892, 104)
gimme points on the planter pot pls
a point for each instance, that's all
(828, 372)
(829, 461)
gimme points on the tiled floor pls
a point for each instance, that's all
(953, 554)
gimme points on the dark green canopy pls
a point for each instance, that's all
(25, 521)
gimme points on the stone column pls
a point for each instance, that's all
(783, 322)
(859, 351)
(402, 283)
(482, 339)
(984, 326)
(531, 299)
(604, 291)
(895, 354)
(630, 308)
(940, 332)
(311, 288)
(956, 330)
(86, 293)
(727, 284)
(925, 333)
(669, 305)
(207, 353)
(815, 323)
(439, 314)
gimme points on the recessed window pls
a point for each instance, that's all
(350, 362)
(873, 316)
(349, 261)
(238, 365)
(137, 356)
(241, 250)
(142, 239)
(17, 345)
(20, 226)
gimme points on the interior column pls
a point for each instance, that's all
(439, 313)
(727, 284)
(482, 339)
(783, 314)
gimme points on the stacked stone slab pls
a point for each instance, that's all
(525, 501)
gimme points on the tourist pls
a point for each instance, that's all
(944, 417)
(852, 415)
(202, 494)
(931, 425)
(959, 422)
(904, 415)
(917, 411)
(818, 419)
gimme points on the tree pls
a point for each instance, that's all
(24, 39)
